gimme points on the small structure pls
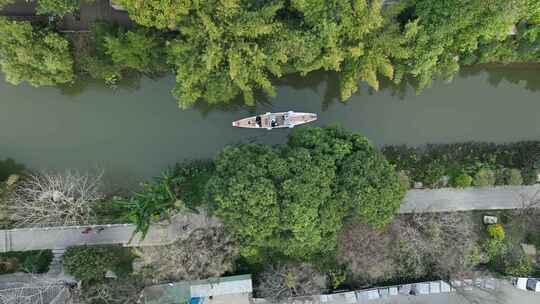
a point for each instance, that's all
(420, 289)
(488, 220)
(533, 284)
(224, 290)
(435, 287)
(370, 294)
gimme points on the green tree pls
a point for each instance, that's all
(90, 263)
(118, 52)
(350, 37)
(227, 48)
(138, 49)
(371, 184)
(39, 57)
(446, 31)
(57, 7)
(292, 199)
(157, 13)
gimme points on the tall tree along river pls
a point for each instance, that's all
(138, 132)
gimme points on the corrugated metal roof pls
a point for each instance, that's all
(222, 286)
(174, 293)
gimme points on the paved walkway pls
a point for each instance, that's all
(448, 199)
(63, 237)
(438, 200)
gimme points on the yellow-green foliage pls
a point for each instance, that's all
(38, 57)
(157, 13)
(462, 181)
(496, 231)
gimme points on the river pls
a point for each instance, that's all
(134, 133)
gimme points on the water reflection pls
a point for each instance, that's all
(528, 75)
(325, 84)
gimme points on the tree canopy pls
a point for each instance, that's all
(157, 13)
(117, 52)
(57, 7)
(227, 48)
(293, 199)
(38, 57)
(446, 32)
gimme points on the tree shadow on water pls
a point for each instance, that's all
(526, 76)
(313, 82)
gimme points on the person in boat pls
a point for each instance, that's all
(273, 123)
(258, 121)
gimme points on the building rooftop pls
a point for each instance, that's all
(215, 290)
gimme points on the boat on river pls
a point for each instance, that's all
(271, 121)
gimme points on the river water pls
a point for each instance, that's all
(135, 133)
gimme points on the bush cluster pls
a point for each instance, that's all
(466, 164)
(36, 261)
(503, 256)
(90, 263)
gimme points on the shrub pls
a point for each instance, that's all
(466, 158)
(496, 231)
(495, 250)
(404, 180)
(519, 266)
(192, 178)
(432, 173)
(90, 263)
(484, 178)
(36, 261)
(154, 202)
(513, 177)
(462, 181)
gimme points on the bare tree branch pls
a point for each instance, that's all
(55, 199)
(284, 281)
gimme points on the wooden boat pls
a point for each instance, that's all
(271, 121)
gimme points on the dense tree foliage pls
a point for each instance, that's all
(227, 48)
(118, 52)
(447, 31)
(292, 199)
(221, 50)
(38, 57)
(57, 7)
(157, 13)
(524, 46)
